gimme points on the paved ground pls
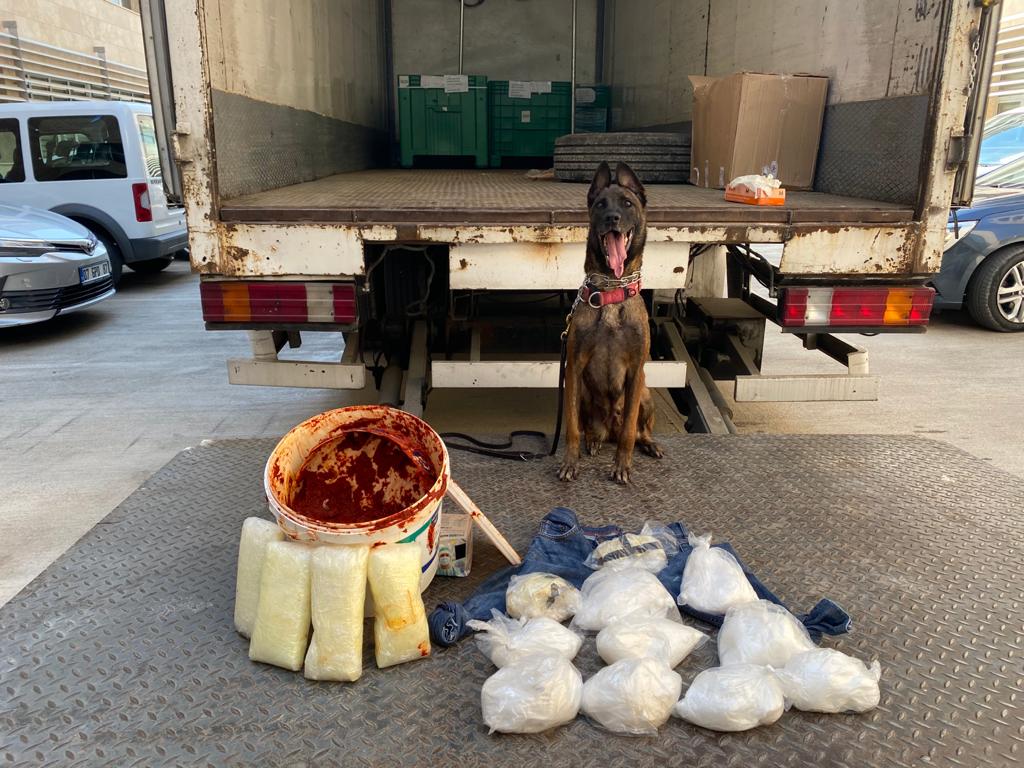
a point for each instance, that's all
(93, 403)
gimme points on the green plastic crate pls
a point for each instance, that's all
(527, 127)
(592, 104)
(435, 123)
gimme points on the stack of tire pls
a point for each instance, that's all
(656, 157)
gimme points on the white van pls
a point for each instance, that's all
(95, 162)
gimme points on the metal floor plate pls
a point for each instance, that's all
(123, 651)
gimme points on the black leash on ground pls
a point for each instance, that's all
(505, 450)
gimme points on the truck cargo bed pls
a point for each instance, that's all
(508, 197)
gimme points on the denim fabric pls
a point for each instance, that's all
(562, 545)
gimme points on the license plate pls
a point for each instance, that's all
(93, 272)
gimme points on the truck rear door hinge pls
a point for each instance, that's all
(956, 151)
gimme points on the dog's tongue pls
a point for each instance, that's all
(615, 247)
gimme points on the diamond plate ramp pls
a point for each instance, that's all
(123, 652)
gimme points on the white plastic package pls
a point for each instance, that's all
(629, 550)
(713, 582)
(541, 594)
(734, 698)
(609, 595)
(281, 630)
(761, 633)
(531, 695)
(504, 640)
(400, 631)
(252, 546)
(632, 696)
(338, 582)
(661, 639)
(825, 680)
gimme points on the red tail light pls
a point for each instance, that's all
(236, 301)
(143, 211)
(857, 307)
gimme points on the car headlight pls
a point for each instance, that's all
(957, 231)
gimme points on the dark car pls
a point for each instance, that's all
(983, 265)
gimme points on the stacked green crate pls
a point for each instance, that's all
(592, 104)
(442, 116)
(525, 118)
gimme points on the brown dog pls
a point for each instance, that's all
(609, 337)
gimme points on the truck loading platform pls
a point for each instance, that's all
(123, 652)
(508, 197)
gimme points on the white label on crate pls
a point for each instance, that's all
(586, 95)
(524, 116)
(456, 83)
(541, 86)
(403, 81)
(519, 89)
(431, 81)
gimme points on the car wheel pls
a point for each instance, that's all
(995, 297)
(151, 266)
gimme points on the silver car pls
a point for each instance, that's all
(49, 265)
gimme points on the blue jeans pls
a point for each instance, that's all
(562, 545)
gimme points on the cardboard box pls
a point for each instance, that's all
(455, 544)
(748, 122)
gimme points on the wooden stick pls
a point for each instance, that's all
(460, 498)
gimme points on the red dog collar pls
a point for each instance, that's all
(598, 299)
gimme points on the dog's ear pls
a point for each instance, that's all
(625, 177)
(602, 180)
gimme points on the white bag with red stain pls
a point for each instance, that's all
(400, 630)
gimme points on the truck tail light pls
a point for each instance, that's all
(234, 301)
(855, 307)
(143, 211)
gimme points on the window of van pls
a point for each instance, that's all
(76, 147)
(12, 167)
(150, 152)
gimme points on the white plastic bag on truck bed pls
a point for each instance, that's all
(281, 631)
(632, 696)
(825, 680)
(541, 594)
(504, 640)
(610, 595)
(662, 639)
(338, 594)
(252, 547)
(531, 695)
(761, 633)
(733, 698)
(400, 630)
(713, 582)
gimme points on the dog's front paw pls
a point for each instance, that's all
(620, 473)
(593, 447)
(569, 470)
(652, 449)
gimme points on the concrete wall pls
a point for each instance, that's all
(80, 25)
(504, 39)
(870, 49)
(324, 56)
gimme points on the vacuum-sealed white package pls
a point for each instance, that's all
(281, 630)
(541, 594)
(256, 534)
(504, 640)
(662, 639)
(338, 593)
(400, 629)
(713, 582)
(761, 633)
(629, 550)
(611, 594)
(531, 695)
(632, 695)
(734, 698)
(825, 680)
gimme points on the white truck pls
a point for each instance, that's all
(282, 120)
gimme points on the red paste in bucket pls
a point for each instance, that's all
(360, 477)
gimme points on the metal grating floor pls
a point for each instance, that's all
(496, 196)
(123, 653)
